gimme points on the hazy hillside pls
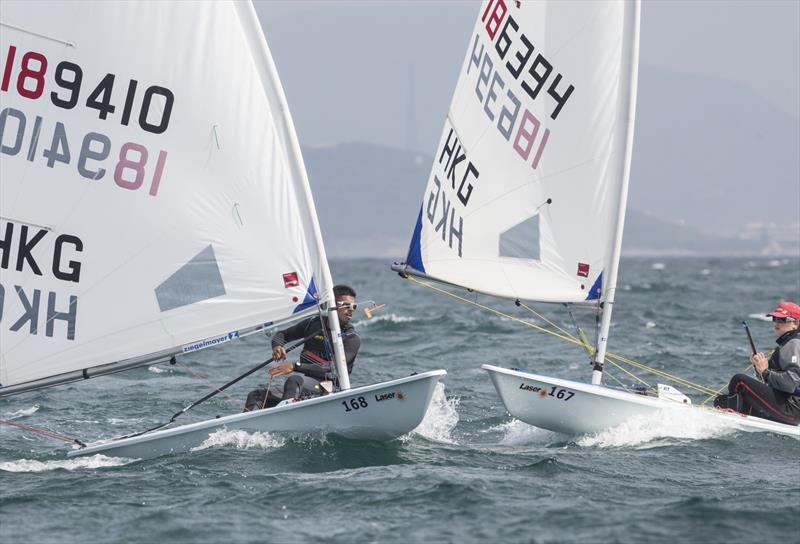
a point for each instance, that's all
(368, 197)
(702, 156)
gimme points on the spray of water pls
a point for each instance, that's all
(517, 433)
(391, 318)
(241, 440)
(658, 428)
(441, 417)
(25, 412)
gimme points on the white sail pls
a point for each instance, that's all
(529, 181)
(152, 195)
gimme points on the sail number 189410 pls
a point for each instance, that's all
(26, 74)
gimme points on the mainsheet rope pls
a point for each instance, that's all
(569, 338)
(44, 432)
(584, 343)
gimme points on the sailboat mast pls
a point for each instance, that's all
(627, 95)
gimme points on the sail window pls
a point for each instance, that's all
(197, 280)
(522, 240)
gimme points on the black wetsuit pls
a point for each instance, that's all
(776, 398)
(314, 365)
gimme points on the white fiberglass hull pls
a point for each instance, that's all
(570, 407)
(375, 412)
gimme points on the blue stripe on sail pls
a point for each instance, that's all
(310, 300)
(414, 258)
(594, 292)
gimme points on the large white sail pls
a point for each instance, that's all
(152, 195)
(529, 181)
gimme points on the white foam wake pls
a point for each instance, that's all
(25, 412)
(517, 433)
(441, 417)
(90, 462)
(391, 318)
(658, 428)
(241, 440)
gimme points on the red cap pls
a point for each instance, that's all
(786, 309)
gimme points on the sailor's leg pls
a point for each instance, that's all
(254, 400)
(731, 401)
(261, 398)
(761, 400)
(293, 387)
(311, 387)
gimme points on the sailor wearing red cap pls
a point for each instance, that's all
(777, 395)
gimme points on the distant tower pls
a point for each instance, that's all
(411, 120)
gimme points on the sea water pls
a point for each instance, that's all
(470, 472)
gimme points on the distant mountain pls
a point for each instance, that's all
(713, 154)
(648, 235)
(368, 197)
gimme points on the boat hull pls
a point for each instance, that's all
(570, 407)
(375, 412)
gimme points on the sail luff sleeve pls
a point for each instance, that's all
(268, 71)
(627, 108)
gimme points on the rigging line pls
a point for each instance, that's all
(615, 379)
(43, 432)
(492, 310)
(584, 342)
(543, 318)
(590, 350)
(641, 366)
(218, 390)
(661, 373)
(625, 387)
(266, 392)
(631, 374)
(207, 381)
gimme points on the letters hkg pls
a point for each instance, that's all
(29, 300)
(455, 156)
(31, 312)
(448, 215)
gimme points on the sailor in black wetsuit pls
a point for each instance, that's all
(777, 395)
(316, 359)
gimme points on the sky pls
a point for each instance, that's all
(347, 66)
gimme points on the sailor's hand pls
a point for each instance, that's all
(278, 353)
(281, 370)
(760, 362)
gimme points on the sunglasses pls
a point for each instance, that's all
(347, 305)
(781, 319)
